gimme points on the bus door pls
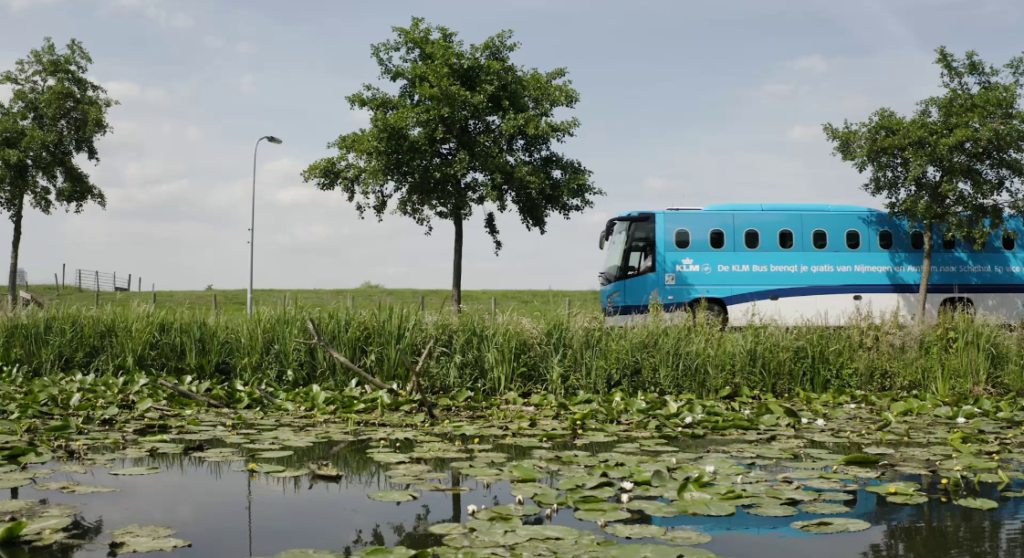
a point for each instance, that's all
(640, 263)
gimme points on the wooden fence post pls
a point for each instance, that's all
(63, 270)
(128, 285)
(214, 304)
(56, 283)
(78, 279)
(494, 309)
(140, 284)
(422, 305)
(97, 281)
(154, 294)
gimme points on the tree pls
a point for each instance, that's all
(55, 115)
(956, 165)
(466, 129)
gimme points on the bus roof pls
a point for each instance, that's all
(779, 207)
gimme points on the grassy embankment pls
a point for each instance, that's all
(554, 352)
(522, 303)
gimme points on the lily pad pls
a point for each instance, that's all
(638, 531)
(907, 499)
(977, 503)
(657, 551)
(273, 454)
(144, 544)
(772, 511)
(831, 525)
(448, 529)
(598, 515)
(141, 531)
(516, 511)
(393, 496)
(685, 537)
(549, 532)
(80, 489)
(135, 471)
(290, 473)
(823, 508)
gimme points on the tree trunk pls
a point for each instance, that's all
(12, 279)
(926, 271)
(457, 268)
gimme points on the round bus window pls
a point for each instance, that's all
(682, 239)
(917, 240)
(885, 239)
(853, 240)
(786, 239)
(751, 239)
(717, 239)
(1009, 242)
(819, 239)
(948, 242)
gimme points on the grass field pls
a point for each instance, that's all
(520, 303)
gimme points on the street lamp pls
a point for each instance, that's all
(252, 224)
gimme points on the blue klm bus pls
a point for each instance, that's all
(800, 263)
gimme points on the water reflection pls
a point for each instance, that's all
(207, 504)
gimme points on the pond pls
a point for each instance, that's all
(250, 492)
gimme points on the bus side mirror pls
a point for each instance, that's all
(604, 237)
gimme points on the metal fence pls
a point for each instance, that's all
(92, 280)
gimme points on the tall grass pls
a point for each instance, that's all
(559, 353)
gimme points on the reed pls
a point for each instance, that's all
(560, 353)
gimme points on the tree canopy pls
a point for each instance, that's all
(55, 115)
(955, 166)
(462, 129)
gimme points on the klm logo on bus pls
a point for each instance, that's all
(687, 265)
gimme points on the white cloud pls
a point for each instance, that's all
(245, 48)
(18, 5)
(801, 132)
(361, 117)
(123, 89)
(155, 10)
(247, 84)
(213, 42)
(777, 90)
(658, 183)
(814, 63)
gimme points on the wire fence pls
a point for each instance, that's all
(92, 280)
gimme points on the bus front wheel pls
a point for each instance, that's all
(713, 310)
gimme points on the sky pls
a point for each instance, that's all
(683, 103)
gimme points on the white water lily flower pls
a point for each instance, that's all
(687, 420)
(674, 462)
(820, 422)
(602, 523)
(471, 509)
(519, 500)
(625, 498)
(961, 420)
(804, 420)
(710, 469)
(851, 406)
(700, 417)
(554, 508)
(627, 486)
(739, 479)
(746, 412)
(617, 399)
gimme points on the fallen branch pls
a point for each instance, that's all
(270, 399)
(416, 385)
(319, 341)
(194, 396)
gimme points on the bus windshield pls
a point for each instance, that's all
(613, 252)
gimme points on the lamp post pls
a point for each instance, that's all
(252, 224)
